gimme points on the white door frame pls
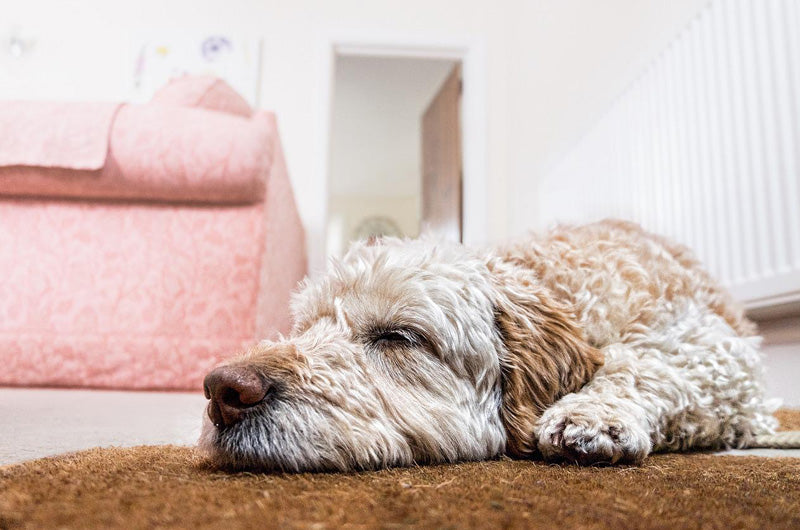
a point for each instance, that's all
(471, 53)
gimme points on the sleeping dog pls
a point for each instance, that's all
(590, 344)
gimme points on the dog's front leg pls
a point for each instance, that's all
(613, 418)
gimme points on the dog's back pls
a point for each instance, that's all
(619, 278)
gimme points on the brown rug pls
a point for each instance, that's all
(168, 486)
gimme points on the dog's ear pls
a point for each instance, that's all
(545, 354)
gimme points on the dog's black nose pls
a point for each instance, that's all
(232, 391)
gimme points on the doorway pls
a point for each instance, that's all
(395, 155)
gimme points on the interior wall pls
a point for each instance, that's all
(550, 66)
(781, 350)
(348, 211)
(375, 143)
(378, 104)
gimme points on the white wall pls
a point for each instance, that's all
(375, 127)
(782, 358)
(375, 160)
(551, 65)
(347, 213)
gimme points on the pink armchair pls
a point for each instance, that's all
(141, 244)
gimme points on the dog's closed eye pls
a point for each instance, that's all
(395, 338)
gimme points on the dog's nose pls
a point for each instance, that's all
(232, 391)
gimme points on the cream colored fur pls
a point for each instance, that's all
(591, 344)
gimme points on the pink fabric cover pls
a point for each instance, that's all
(205, 92)
(159, 152)
(71, 136)
(145, 295)
(124, 296)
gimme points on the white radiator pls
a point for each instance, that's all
(705, 147)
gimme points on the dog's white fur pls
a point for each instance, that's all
(592, 344)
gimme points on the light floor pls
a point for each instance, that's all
(44, 422)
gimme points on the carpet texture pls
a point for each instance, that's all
(169, 486)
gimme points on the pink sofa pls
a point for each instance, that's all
(141, 244)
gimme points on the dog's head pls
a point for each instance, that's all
(405, 352)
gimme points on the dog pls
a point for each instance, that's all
(594, 344)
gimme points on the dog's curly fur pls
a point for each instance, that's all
(592, 344)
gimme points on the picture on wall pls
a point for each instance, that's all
(236, 60)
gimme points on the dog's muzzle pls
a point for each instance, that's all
(233, 391)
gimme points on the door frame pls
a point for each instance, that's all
(471, 53)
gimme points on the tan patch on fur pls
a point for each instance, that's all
(637, 275)
(280, 361)
(719, 300)
(547, 356)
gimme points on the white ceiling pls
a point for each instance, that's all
(375, 131)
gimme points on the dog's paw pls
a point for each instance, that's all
(585, 434)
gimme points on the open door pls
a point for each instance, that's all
(441, 160)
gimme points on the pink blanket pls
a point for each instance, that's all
(43, 134)
(163, 153)
(203, 92)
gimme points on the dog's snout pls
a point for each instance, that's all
(232, 391)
